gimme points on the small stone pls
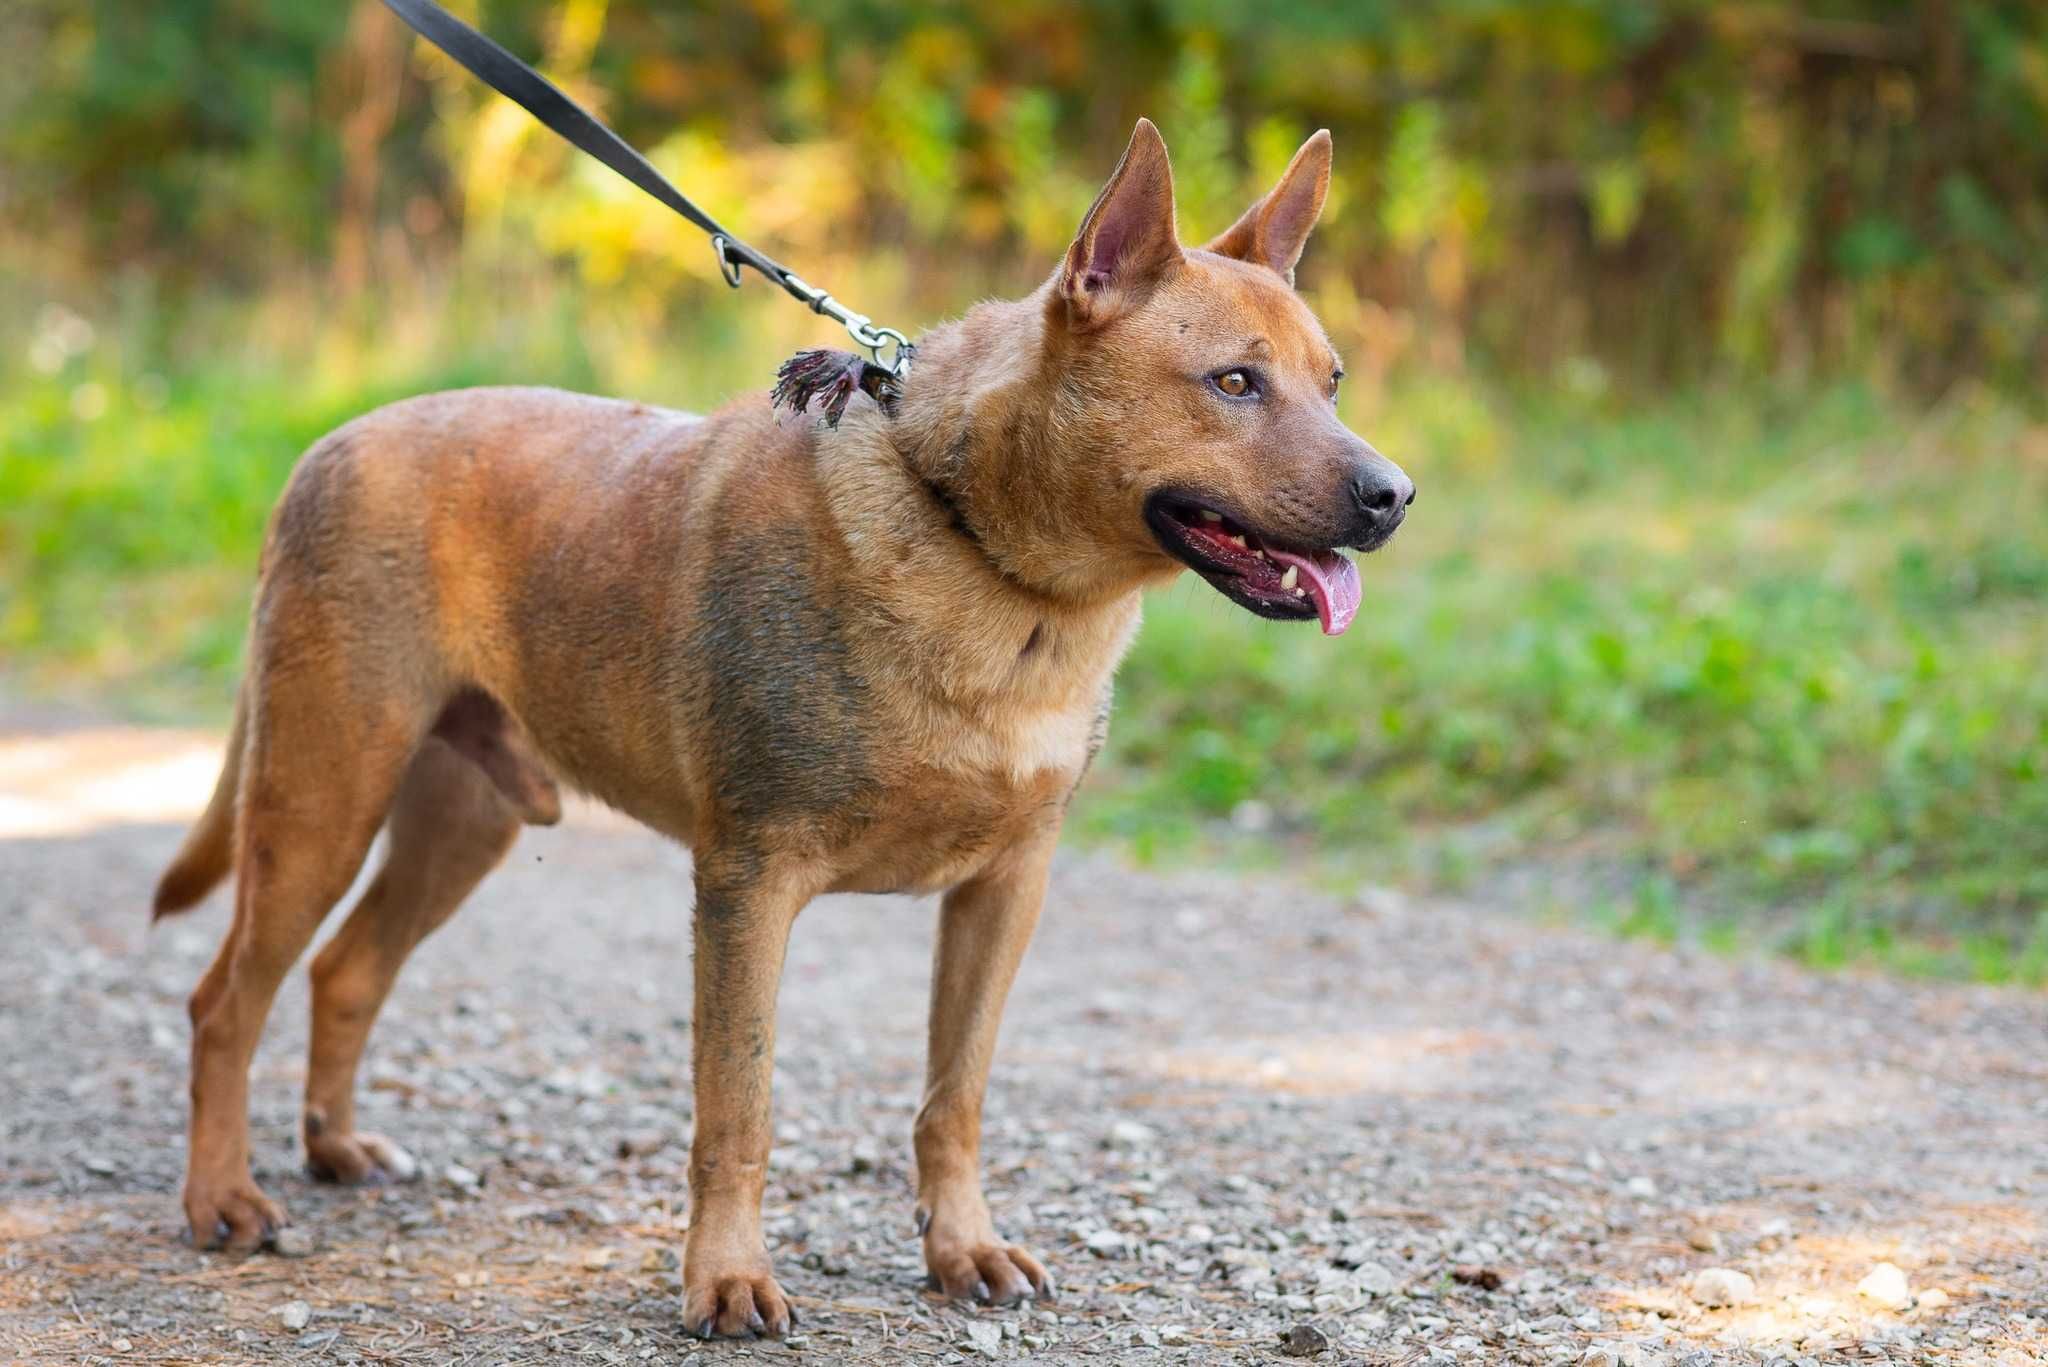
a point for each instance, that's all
(1933, 1298)
(1373, 1279)
(1174, 1335)
(659, 1258)
(1304, 1341)
(121, 1345)
(1106, 1243)
(1703, 1240)
(461, 1178)
(986, 1336)
(294, 1315)
(1642, 1186)
(1886, 1285)
(598, 1259)
(1715, 1287)
(1129, 1134)
(1485, 1278)
(1601, 1355)
(291, 1242)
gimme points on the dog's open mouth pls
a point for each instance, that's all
(1255, 571)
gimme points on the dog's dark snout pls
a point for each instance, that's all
(1383, 492)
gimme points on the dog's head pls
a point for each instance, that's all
(1203, 396)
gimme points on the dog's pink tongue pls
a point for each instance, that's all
(1332, 580)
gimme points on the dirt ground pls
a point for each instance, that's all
(1226, 1111)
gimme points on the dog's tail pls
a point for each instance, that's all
(208, 853)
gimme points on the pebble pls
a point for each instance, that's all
(1600, 1355)
(1934, 1298)
(1886, 1285)
(1130, 1134)
(1715, 1287)
(986, 1336)
(1373, 1279)
(291, 1242)
(294, 1315)
(1106, 1242)
(1304, 1341)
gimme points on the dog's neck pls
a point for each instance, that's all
(950, 518)
(979, 427)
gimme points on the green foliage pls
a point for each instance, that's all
(1673, 190)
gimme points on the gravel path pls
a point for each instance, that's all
(1228, 1111)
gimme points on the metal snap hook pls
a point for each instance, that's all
(728, 265)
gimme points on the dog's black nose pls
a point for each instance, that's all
(1383, 492)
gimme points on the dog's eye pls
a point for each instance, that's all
(1235, 383)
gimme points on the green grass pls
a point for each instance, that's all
(1732, 667)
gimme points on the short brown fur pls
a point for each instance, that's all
(873, 659)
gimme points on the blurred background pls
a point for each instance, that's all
(1714, 335)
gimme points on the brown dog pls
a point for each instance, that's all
(875, 658)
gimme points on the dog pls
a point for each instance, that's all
(870, 658)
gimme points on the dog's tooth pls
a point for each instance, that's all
(1260, 554)
(1237, 541)
(1301, 593)
(1287, 579)
(1208, 516)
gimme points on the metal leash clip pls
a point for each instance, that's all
(866, 333)
(728, 264)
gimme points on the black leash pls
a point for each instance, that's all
(540, 97)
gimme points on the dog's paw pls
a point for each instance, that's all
(975, 1265)
(994, 1274)
(231, 1213)
(358, 1159)
(737, 1305)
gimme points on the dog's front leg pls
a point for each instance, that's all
(742, 930)
(983, 929)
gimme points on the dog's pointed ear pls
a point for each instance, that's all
(1274, 230)
(1127, 241)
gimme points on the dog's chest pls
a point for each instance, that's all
(940, 828)
(972, 789)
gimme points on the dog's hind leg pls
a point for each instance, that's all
(322, 763)
(450, 825)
